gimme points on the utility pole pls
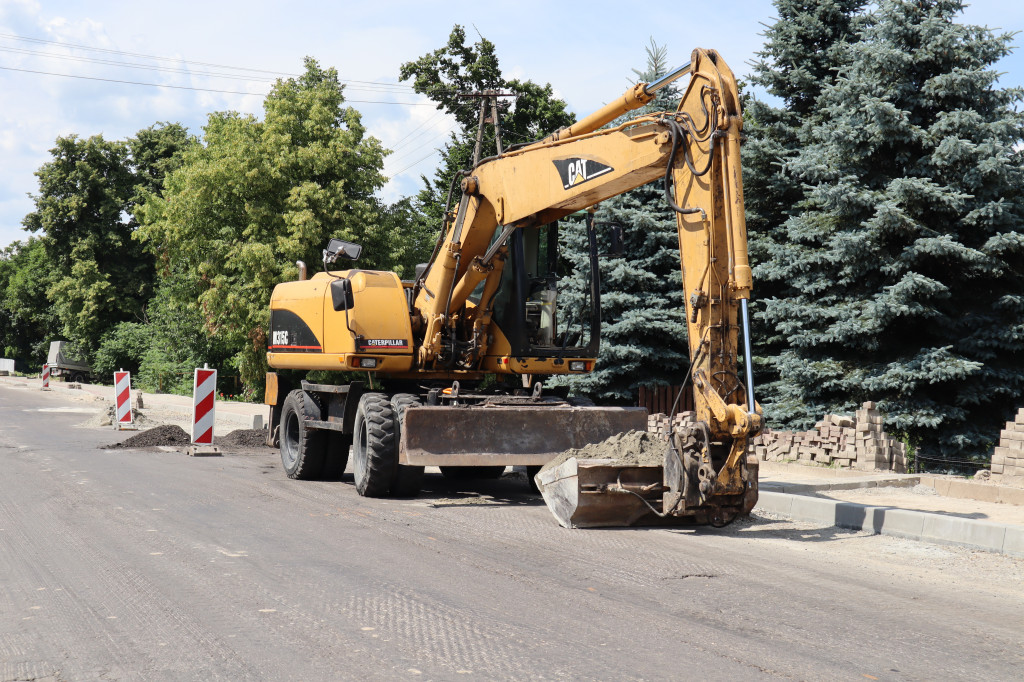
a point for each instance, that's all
(487, 97)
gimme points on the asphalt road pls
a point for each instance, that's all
(132, 564)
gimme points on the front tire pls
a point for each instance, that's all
(374, 450)
(408, 479)
(302, 450)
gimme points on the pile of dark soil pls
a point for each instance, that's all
(168, 434)
(244, 438)
(631, 447)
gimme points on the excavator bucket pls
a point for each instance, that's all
(602, 493)
(530, 435)
(591, 493)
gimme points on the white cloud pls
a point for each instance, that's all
(586, 56)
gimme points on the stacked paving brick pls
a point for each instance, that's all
(858, 442)
(1008, 459)
(837, 440)
(660, 424)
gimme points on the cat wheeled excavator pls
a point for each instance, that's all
(463, 348)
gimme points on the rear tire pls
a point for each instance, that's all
(302, 449)
(408, 479)
(374, 450)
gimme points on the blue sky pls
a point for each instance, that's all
(585, 50)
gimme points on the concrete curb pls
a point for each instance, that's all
(894, 481)
(1001, 538)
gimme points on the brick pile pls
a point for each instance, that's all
(1008, 459)
(857, 442)
(660, 424)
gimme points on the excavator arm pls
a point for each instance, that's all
(695, 151)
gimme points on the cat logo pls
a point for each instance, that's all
(577, 171)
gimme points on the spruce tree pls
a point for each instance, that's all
(804, 49)
(906, 266)
(643, 328)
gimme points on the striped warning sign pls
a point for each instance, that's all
(203, 389)
(46, 377)
(123, 397)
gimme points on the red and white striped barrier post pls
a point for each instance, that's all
(46, 377)
(204, 387)
(123, 399)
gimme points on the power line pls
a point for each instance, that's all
(149, 67)
(184, 61)
(413, 165)
(189, 87)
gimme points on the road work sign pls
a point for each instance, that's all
(204, 388)
(46, 377)
(123, 399)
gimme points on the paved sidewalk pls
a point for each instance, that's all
(901, 505)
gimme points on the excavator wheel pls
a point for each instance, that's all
(375, 448)
(408, 479)
(302, 449)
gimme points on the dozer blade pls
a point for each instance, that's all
(510, 435)
(589, 493)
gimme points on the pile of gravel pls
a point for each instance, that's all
(168, 434)
(245, 438)
(631, 447)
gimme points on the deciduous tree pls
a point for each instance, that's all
(256, 196)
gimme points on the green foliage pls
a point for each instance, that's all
(643, 331)
(155, 152)
(805, 48)
(123, 347)
(178, 342)
(26, 318)
(258, 195)
(96, 275)
(449, 73)
(101, 275)
(904, 271)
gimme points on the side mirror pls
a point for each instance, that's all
(339, 248)
(341, 294)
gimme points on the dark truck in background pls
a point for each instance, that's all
(64, 362)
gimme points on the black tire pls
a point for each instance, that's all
(408, 479)
(374, 449)
(302, 450)
(338, 445)
(77, 379)
(466, 473)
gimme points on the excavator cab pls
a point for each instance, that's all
(543, 310)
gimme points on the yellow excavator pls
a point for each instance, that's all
(464, 347)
